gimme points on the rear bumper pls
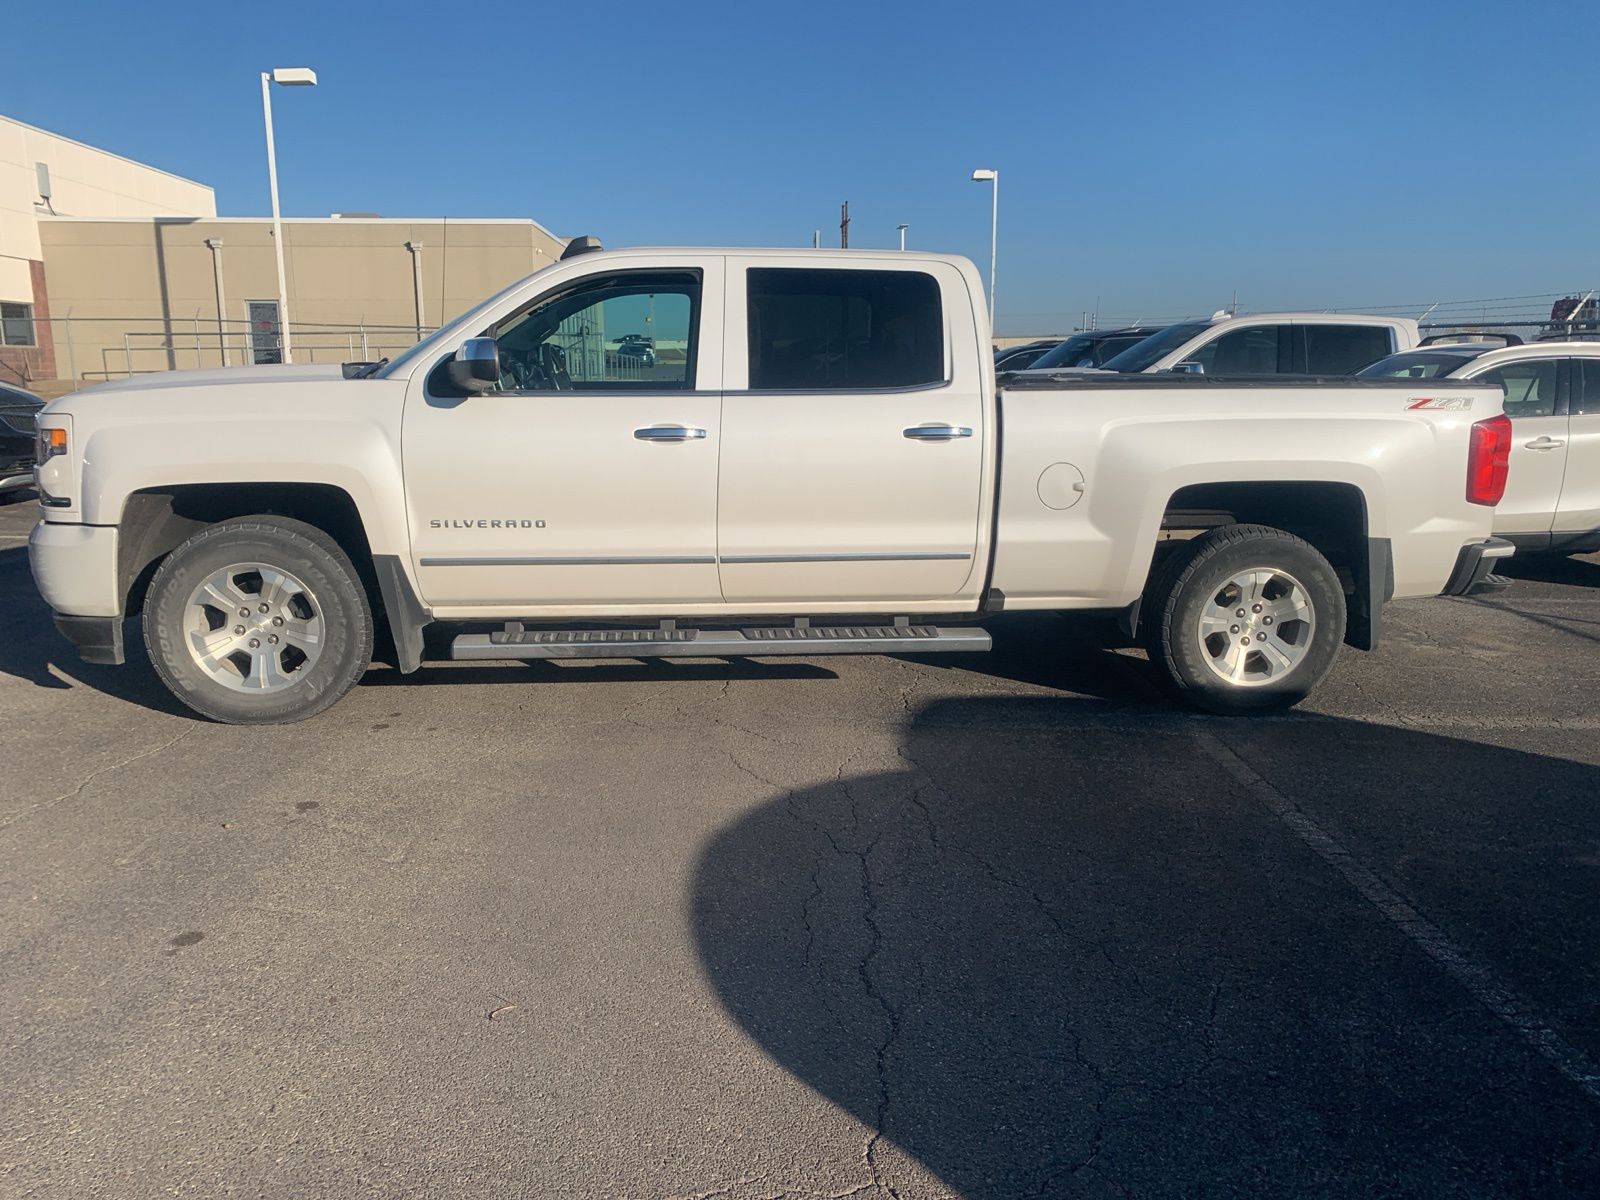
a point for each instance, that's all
(1471, 576)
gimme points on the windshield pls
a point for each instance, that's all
(1418, 364)
(1141, 356)
(1076, 351)
(403, 362)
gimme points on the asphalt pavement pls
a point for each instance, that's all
(993, 926)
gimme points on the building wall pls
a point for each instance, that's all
(84, 182)
(141, 293)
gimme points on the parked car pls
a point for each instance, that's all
(1242, 549)
(1091, 348)
(1019, 358)
(18, 438)
(635, 349)
(1552, 395)
(1269, 344)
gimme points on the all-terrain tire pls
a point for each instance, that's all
(328, 614)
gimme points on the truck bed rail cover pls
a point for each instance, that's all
(1093, 381)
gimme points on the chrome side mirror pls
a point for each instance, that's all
(476, 366)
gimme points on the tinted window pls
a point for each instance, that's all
(835, 328)
(1076, 351)
(1252, 350)
(1530, 387)
(1020, 360)
(1344, 349)
(1417, 364)
(1108, 348)
(1586, 387)
(628, 332)
(1142, 355)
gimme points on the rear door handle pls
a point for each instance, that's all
(1544, 443)
(669, 433)
(937, 433)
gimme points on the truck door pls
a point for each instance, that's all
(854, 432)
(1538, 444)
(1579, 510)
(589, 476)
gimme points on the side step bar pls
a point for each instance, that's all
(755, 642)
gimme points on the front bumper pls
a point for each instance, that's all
(1472, 575)
(75, 568)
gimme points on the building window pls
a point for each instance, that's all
(16, 325)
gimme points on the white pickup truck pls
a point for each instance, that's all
(743, 453)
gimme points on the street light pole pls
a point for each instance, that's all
(902, 229)
(991, 177)
(287, 77)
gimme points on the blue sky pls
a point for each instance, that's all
(1153, 157)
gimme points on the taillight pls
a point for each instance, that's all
(1488, 460)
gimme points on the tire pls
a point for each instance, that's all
(1294, 619)
(255, 667)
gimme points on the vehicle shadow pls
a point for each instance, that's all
(31, 649)
(1065, 652)
(1062, 952)
(1579, 571)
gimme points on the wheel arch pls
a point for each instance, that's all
(156, 520)
(1333, 516)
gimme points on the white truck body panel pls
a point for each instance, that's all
(547, 505)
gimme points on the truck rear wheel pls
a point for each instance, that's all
(1245, 619)
(259, 620)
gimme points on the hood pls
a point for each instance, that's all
(212, 376)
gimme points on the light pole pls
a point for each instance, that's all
(285, 77)
(991, 177)
(215, 246)
(902, 229)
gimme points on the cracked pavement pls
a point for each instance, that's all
(988, 926)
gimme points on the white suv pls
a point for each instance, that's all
(1303, 343)
(1552, 390)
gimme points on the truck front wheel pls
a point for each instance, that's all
(1245, 619)
(259, 620)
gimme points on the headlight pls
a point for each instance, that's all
(52, 441)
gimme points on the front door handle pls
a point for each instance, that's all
(669, 433)
(1544, 443)
(937, 433)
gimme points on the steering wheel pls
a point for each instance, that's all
(553, 364)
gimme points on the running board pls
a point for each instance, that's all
(755, 642)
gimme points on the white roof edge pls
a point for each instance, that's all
(110, 154)
(787, 251)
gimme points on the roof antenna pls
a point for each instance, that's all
(587, 244)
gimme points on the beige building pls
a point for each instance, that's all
(168, 293)
(109, 267)
(41, 174)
